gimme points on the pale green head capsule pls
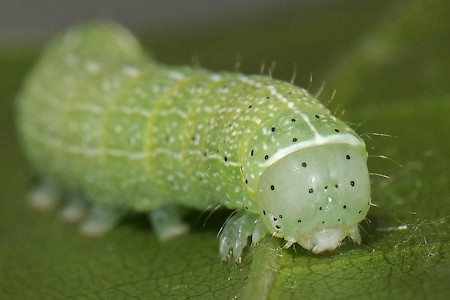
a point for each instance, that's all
(316, 196)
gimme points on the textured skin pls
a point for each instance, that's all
(96, 115)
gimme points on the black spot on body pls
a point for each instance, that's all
(272, 187)
(294, 140)
(303, 164)
(352, 183)
(264, 212)
(345, 206)
(347, 156)
(336, 130)
(225, 158)
(310, 191)
(278, 226)
(280, 216)
(293, 120)
(317, 116)
(266, 157)
(336, 186)
(320, 208)
(251, 153)
(273, 129)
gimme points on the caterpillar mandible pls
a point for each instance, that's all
(100, 120)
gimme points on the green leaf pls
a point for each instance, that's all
(403, 58)
(400, 102)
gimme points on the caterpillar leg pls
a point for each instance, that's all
(99, 220)
(45, 196)
(167, 223)
(235, 233)
(74, 208)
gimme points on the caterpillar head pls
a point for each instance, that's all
(316, 196)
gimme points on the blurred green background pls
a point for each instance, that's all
(389, 62)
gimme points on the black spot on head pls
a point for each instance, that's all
(326, 187)
(250, 106)
(273, 129)
(303, 164)
(310, 191)
(266, 157)
(345, 206)
(294, 140)
(299, 221)
(323, 222)
(339, 220)
(225, 158)
(246, 181)
(317, 116)
(293, 120)
(272, 187)
(275, 219)
(246, 207)
(359, 212)
(278, 226)
(336, 130)
(251, 153)
(320, 208)
(352, 183)
(347, 156)
(280, 216)
(268, 97)
(336, 186)
(264, 212)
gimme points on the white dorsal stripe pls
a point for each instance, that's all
(340, 138)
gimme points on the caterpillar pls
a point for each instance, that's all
(100, 120)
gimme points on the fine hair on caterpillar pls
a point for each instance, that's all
(97, 117)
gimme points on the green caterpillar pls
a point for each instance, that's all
(101, 120)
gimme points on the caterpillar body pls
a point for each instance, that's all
(98, 118)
